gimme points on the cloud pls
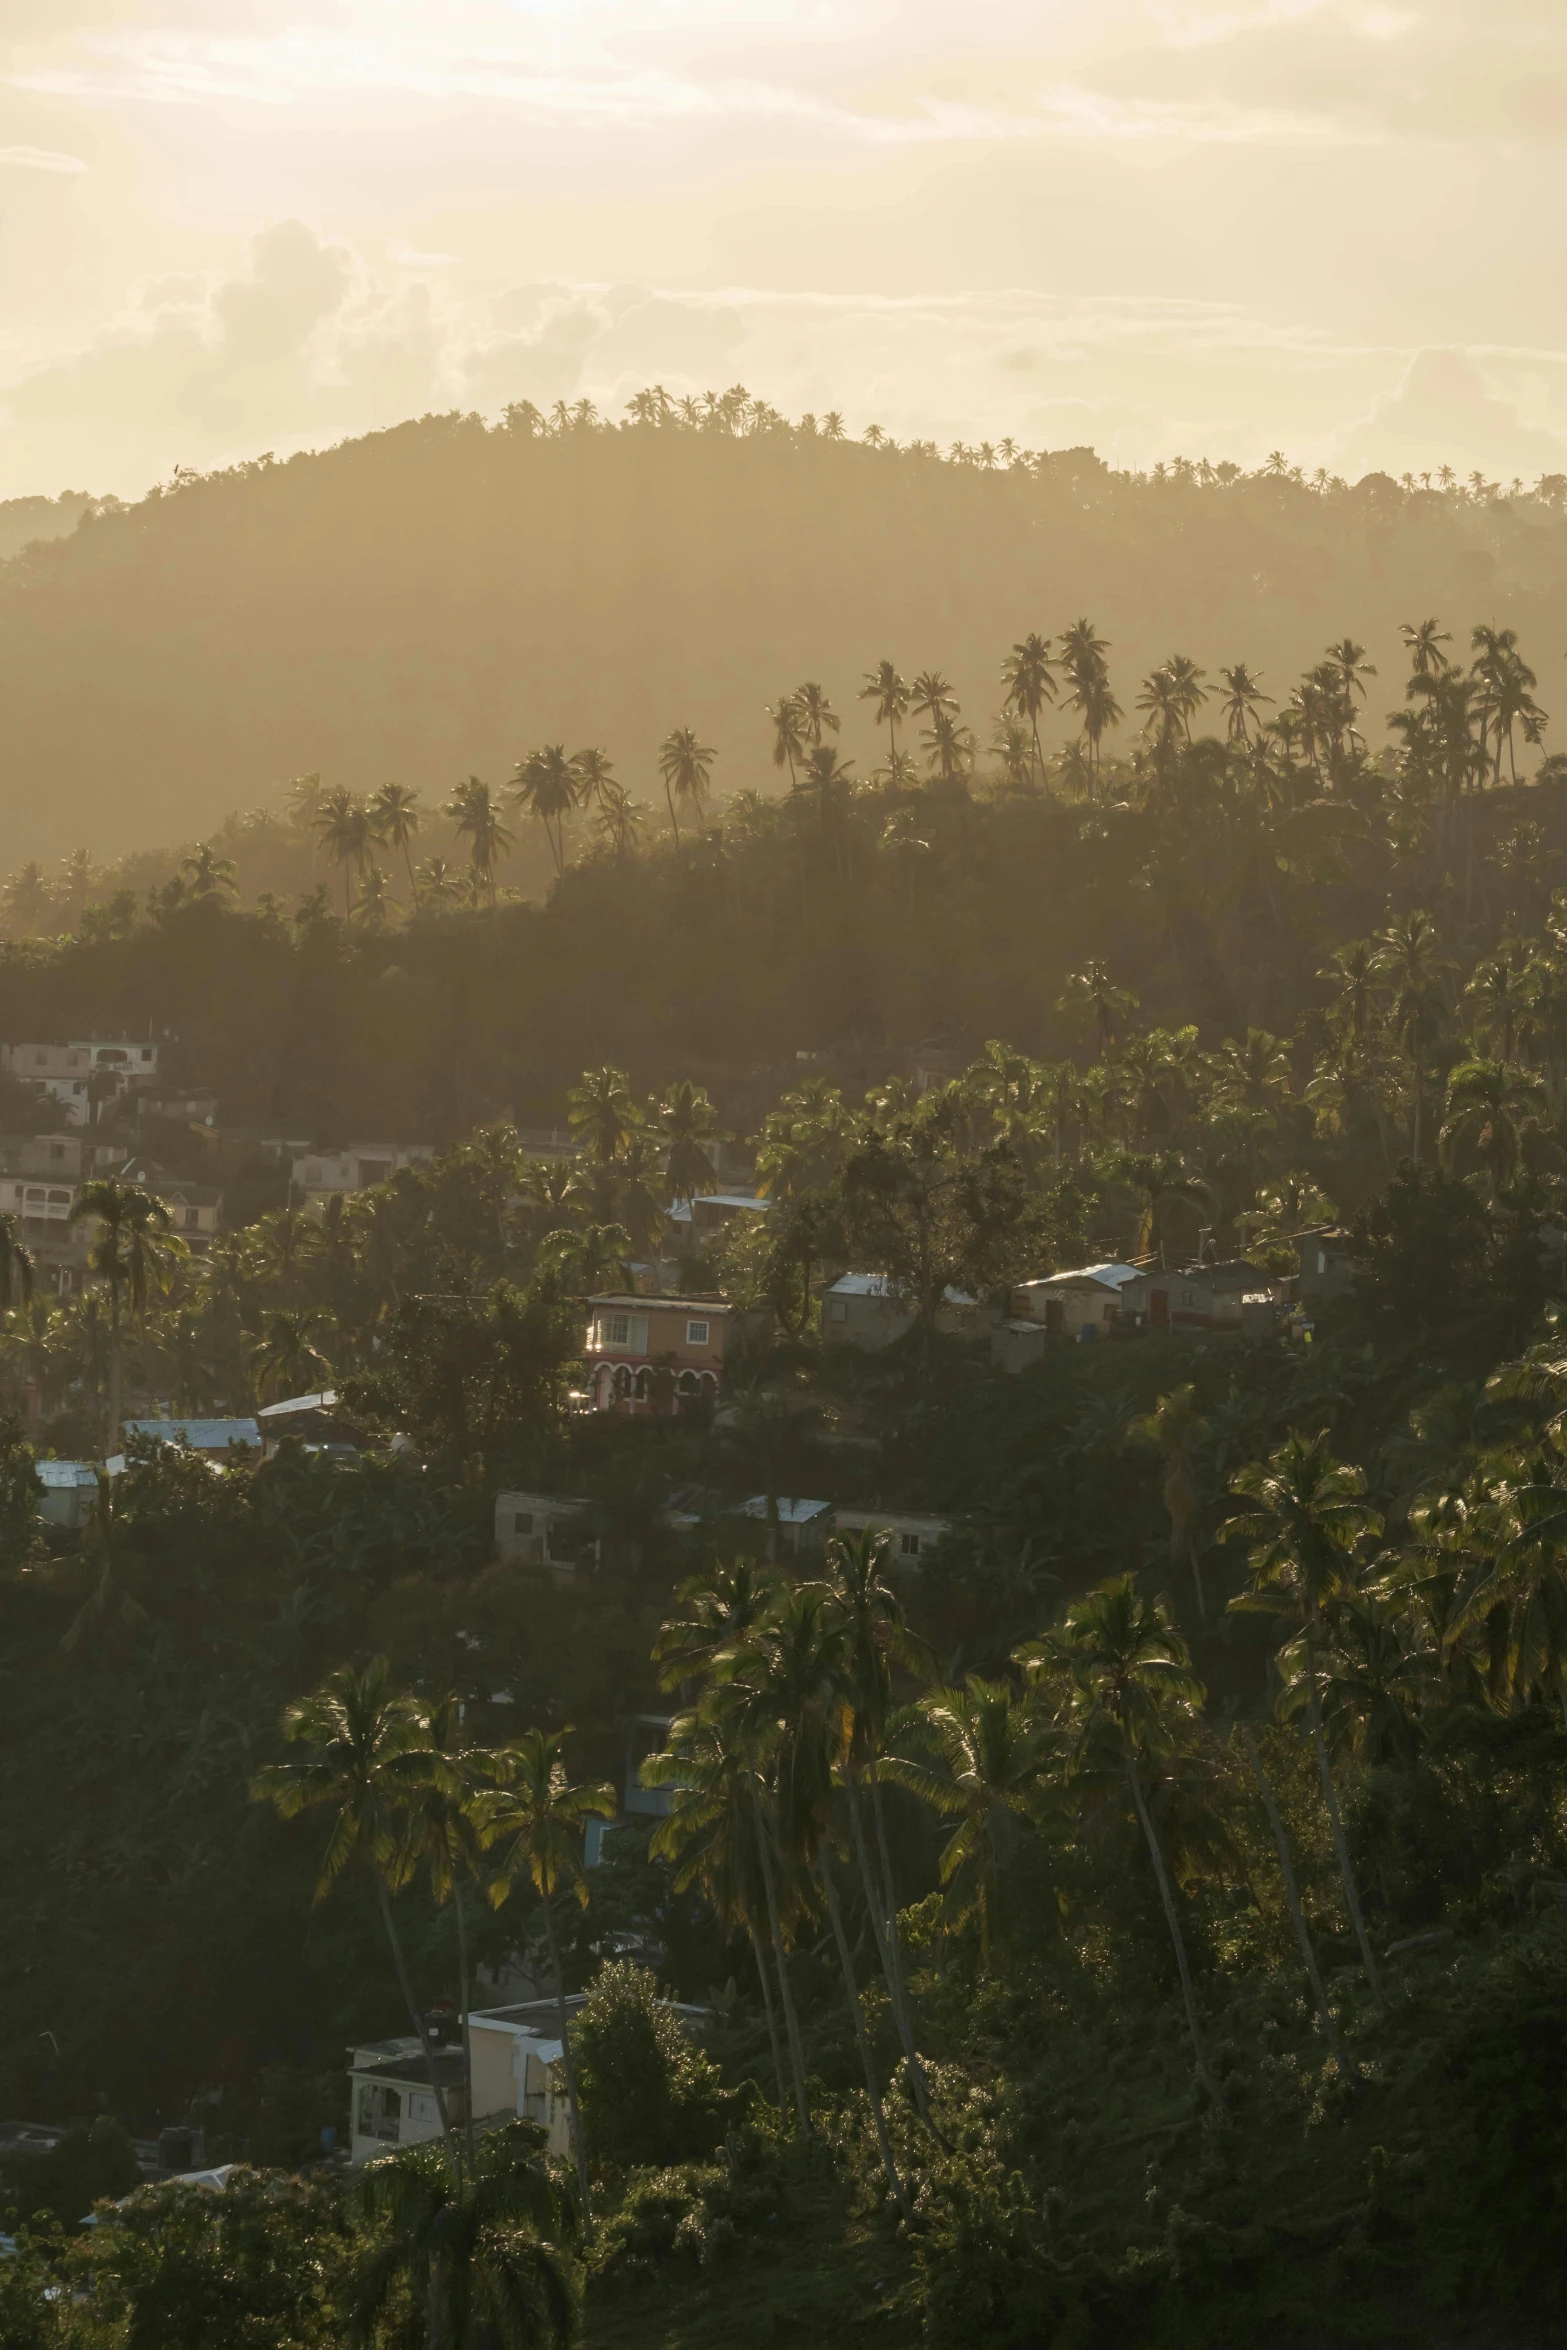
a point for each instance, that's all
(40, 159)
(1444, 412)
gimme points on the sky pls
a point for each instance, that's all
(1162, 227)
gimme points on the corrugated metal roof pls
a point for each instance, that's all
(201, 1435)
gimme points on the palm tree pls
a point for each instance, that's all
(885, 687)
(342, 826)
(376, 901)
(445, 1831)
(480, 2254)
(991, 1754)
(16, 1266)
(548, 787)
(817, 715)
(1243, 692)
(1305, 1514)
(789, 736)
(28, 898)
(207, 874)
(620, 818)
(539, 1816)
(1030, 683)
(1408, 956)
(686, 767)
(367, 1745)
(395, 818)
(949, 748)
(687, 1121)
(603, 1111)
(713, 1834)
(1082, 655)
(789, 1679)
(1281, 1843)
(1490, 1110)
(1176, 1430)
(472, 810)
(1348, 662)
(287, 1358)
(1424, 640)
(1131, 1691)
(1093, 990)
(130, 1246)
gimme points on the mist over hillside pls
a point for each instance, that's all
(437, 599)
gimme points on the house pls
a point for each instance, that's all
(38, 1202)
(911, 1536)
(1234, 1297)
(1079, 1304)
(82, 1074)
(545, 1530)
(62, 1158)
(215, 1440)
(650, 1357)
(194, 1208)
(70, 1491)
(710, 1212)
(314, 1420)
(872, 1310)
(317, 1175)
(515, 2053)
(645, 1734)
(803, 1526)
(1326, 1260)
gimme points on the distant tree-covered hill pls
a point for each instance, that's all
(437, 600)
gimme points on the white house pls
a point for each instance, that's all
(802, 1525)
(320, 1174)
(912, 1535)
(1231, 1296)
(873, 1310)
(70, 1490)
(84, 1072)
(544, 1530)
(516, 2057)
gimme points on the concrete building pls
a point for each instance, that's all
(1234, 1297)
(911, 1535)
(871, 1310)
(318, 1174)
(545, 1530)
(1077, 1304)
(1326, 1264)
(84, 1074)
(651, 1357)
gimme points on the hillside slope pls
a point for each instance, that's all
(434, 599)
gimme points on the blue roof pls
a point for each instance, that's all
(200, 1435)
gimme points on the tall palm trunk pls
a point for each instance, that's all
(112, 1443)
(568, 2066)
(465, 1994)
(1335, 1821)
(851, 1989)
(759, 1949)
(1330, 2030)
(1177, 1938)
(416, 2014)
(884, 1927)
(791, 2020)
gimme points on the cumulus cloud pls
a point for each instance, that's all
(1444, 412)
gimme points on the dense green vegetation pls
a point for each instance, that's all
(432, 601)
(1145, 1922)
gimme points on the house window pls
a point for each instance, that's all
(192, 1219)
(420, 2107)
(619, 1330)
(696, 1333)
(908, 1546)
(146, 1052)
(522, 1523)
(380, 2112)
(837, 1309)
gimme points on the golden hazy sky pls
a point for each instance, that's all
(234, 225)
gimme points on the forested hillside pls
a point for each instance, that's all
(431, 601)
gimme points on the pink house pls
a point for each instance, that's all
(648, 1356)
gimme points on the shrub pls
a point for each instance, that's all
(650, 2098)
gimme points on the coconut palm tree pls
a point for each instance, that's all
(620, 818)
(930, 696)
(1243, 692)
(885, 687)
(549, 787)
(990, 1753)
(1491, 1112)
(473, 811)
(342, 825)
(1029, 683)
(131, 1244)
(687, 1122)
(207, 875)
(1305, 1514)
(376, 902)
(686, 767)
(395, 818)
(481, 2256)
(1131, 1693)
(1409, 958)
(538, 1816)
(287, 1359)
(1093, 990)
(1424, 640)
(789, 735)
(367, 1744)
(444, 1833)
(817, 715)
(16, 1266)
(603, 1112)
(1176, 1430)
